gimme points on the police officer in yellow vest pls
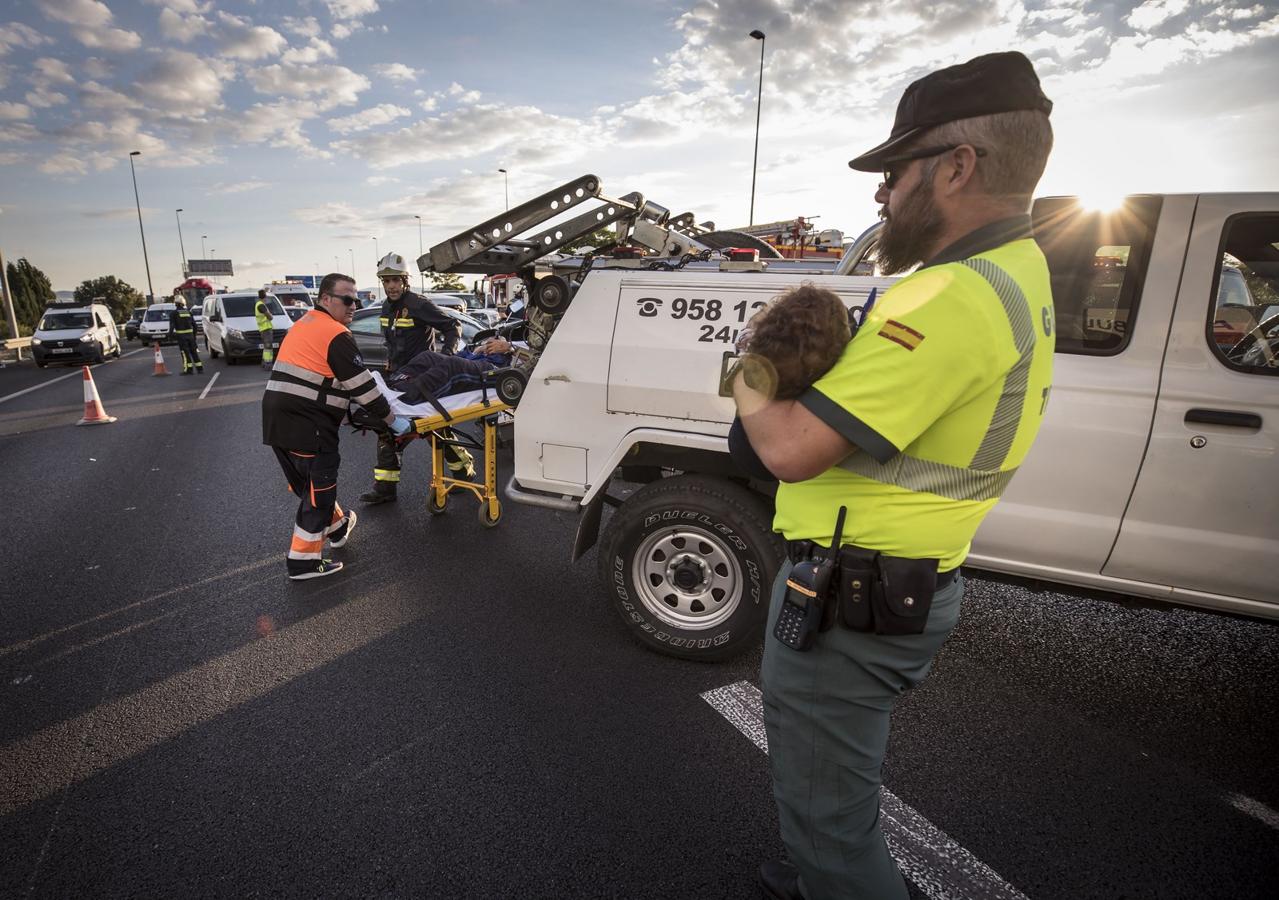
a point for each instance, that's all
(915, 432)
(266, 328)
(183, 325)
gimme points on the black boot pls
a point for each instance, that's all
(381, 493)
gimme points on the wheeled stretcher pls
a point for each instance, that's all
(431, 417)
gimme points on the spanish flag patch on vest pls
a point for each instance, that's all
(901, 334)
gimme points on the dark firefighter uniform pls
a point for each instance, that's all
(408, 327)
(183, 325)
(317, 374)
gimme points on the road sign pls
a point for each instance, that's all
(209, 267)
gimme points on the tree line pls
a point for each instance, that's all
(32, 292)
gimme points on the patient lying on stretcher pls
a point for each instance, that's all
(431, 375)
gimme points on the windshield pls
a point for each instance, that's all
(138, 314)
(66, 320)
(156, 315)
(242, 307)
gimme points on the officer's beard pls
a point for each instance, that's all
(910, 235)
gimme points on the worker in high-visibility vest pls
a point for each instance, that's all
(183, 325)
(890, 460)
(266, 328)
(319, 374)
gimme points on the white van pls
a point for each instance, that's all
(291, 293)
(231, 329)
(75, 333)
(157, 324)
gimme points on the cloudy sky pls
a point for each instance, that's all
(294, 133)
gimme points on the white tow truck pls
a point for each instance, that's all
(1153, 479)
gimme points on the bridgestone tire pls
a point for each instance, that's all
(689, 563)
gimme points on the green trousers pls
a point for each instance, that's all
(827, 714)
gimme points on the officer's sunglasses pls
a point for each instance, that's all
(348, 299)
(890, 163)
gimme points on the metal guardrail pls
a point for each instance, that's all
(17, 345)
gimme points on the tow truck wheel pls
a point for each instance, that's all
(689, 562)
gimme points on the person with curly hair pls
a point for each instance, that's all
(794, 341)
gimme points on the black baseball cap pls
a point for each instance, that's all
(994, 83)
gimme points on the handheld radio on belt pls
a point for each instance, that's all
(807, 593)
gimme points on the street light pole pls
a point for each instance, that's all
(203, 254)
(177, 214)
(421, 275)
(507, 178)
(138, 203)
(377, 279)
(759, 102)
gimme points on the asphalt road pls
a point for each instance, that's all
(461, 714)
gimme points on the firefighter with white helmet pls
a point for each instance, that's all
(409, 326)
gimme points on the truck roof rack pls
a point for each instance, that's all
(500, 245)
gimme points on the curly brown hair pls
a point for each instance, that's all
(795, 340)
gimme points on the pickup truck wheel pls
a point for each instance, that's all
(690, 562)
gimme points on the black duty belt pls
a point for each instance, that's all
(798, 551)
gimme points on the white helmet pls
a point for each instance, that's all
(392, 264)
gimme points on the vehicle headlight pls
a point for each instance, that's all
(36, 342)
(235, 333)
(86, 338)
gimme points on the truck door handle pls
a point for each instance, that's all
(1224, 417)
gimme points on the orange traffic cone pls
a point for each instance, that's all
(159, 362)
(94, 414)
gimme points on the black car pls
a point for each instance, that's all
(367, 331)
(135, 319)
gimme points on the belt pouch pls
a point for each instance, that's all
(905, 595)
(858, 584)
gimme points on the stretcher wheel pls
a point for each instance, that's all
(510, 387)
(484, 515)
(432, 507)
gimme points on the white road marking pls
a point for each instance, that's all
(77, 373)
(927, 856)
(1254, 808)
(205, 392)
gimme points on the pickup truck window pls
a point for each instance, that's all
(1097, 262)
(1243, 321)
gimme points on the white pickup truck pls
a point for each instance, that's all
(1155, 475)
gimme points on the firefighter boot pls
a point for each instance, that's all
(383, 492)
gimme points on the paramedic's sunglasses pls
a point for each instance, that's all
(890, 163)
(349, 300)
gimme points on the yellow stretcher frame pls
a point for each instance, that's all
(442, 484)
